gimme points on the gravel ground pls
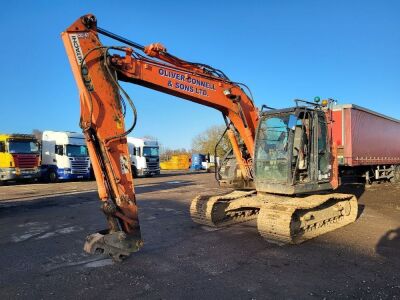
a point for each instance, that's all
(43, 226)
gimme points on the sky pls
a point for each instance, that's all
(346, 50)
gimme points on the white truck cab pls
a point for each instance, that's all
(145, 156)
(64, 156)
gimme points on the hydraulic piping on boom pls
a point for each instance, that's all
(278, 157)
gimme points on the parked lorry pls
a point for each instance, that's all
(368, 143)
(145, 156)
(64, 156)
(19, 157)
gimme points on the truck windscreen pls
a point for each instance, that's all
(76, 150)
(19, 146)
(150, 151)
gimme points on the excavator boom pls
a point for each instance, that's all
(97, 70)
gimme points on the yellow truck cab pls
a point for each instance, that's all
(19, 157)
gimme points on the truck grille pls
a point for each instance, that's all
(26, 160)
(152, 164)
(79, 166)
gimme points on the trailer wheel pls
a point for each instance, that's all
(52, 177)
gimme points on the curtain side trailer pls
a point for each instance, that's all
(368, 143)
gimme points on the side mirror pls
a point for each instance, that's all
(292, 122)
(2, 147)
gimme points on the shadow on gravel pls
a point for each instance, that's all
(180, 259)
(61, 200)
(361, 208)
(29, 182)
(15, 206)
(162, 186)
(179, 173)
(357, 189)
(389, 244)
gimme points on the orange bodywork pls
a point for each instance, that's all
(102, 118)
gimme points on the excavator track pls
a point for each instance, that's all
(224, 210)
(285, 220)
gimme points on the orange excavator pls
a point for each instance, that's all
(281, 163)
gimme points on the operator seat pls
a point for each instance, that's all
(299, 147)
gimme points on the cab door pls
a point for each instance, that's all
(4, 156)
(322, 148)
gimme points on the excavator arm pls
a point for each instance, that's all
(97, 70)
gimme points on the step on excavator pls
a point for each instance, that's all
(282, 164)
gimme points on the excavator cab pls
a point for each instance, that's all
(292, 151)
(293, 175)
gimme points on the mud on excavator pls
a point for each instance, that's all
(282, 162)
